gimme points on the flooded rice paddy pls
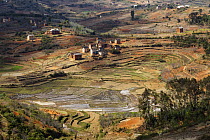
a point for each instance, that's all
(86, 99)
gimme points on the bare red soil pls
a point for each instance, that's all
(131, 123)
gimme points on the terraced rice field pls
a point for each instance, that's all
(98, 85)
(114, 83)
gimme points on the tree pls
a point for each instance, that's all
(192, 17)
(165, 102)
(132, 15)
(144, 105)
(46, 43)
(200, 11)
(182, 106)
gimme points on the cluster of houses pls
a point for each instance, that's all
(97, 50)
(166, 7)
(163, 5)
(37, 23)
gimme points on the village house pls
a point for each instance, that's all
(180, 30)
(93, 52)
(96, 49)
(7, 19)
(75, 56)
(158, 7)
(53, 32)
(102, 52)
(37, 23)
(99, 40)
(33, 23)
(100, 45)
(111, 41)
(30, 37)
(85, 49)
(45, 24)
(183, 6)
(117, 41)
(180, 6)
(92, 46)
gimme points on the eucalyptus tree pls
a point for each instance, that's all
(144, 103)
(145, 106)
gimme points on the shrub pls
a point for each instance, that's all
(58, 74)
(114, 51)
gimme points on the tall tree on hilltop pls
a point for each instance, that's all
(132, 15)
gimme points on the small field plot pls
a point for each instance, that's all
(9, 68)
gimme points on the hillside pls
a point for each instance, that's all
(22, 121)
(104, 69)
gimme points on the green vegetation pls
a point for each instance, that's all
(86, 116)
(114, 51)
(186, 104)
(193, 40)
(75, 118)
(20, 36)
(79, 29)
(197, 18)
(188, 41)
(9, 68)
(58, 74)
(22, 121)
(161, 60)
(46, 43)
